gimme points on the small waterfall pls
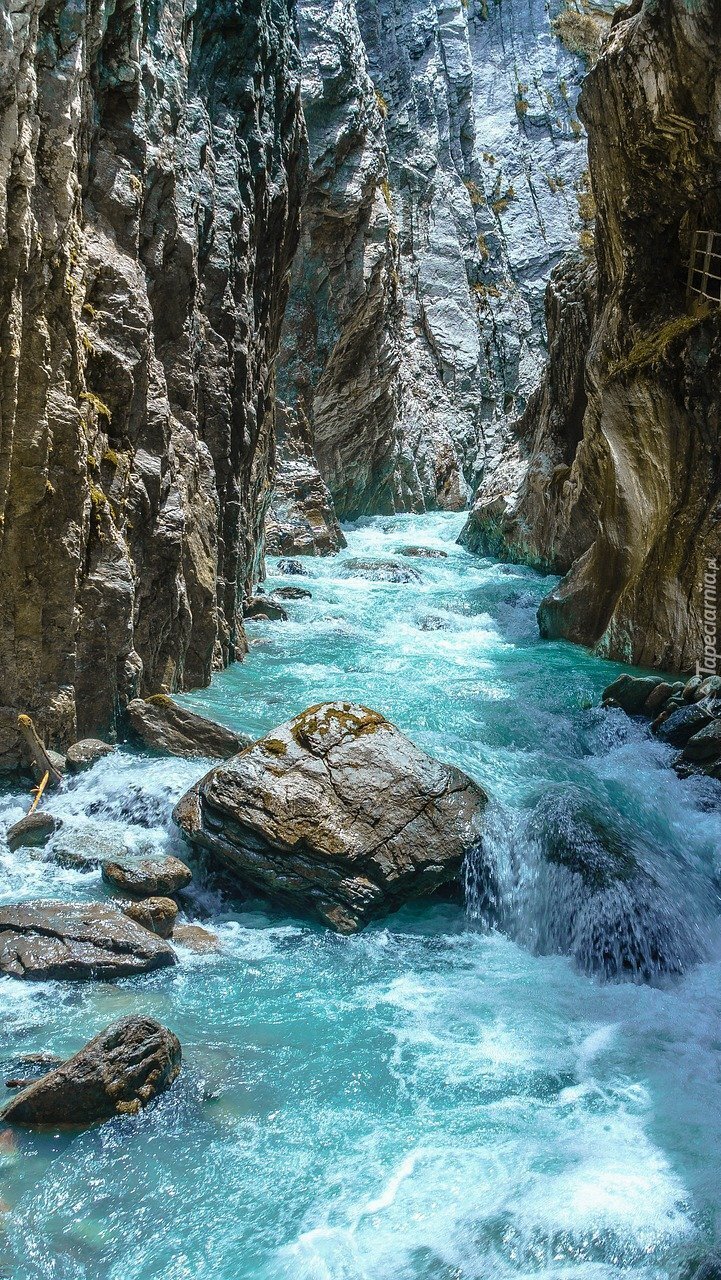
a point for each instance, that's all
(565, 877)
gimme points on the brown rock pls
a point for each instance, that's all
(76, 941)
(33, 831)
(338, 815)
(263, 607)
(156, 914)
(161, 725)
(118, 1073)
(147, 877)
(196, 938)
(423, 553)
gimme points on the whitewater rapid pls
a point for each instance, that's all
(434, 1099)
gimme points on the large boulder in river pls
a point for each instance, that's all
(336, 814)
(160, 724)
(76, 940)
(117, 1073)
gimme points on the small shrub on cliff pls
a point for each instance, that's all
(580, 32)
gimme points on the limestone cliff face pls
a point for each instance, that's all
(637, 516)
(150, 159)
(447, 161)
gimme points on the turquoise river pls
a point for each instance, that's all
(438, 1098)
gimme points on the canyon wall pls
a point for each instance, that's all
(151, 166)
(623, 488)
(447, 178)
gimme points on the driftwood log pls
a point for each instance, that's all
(41, 760)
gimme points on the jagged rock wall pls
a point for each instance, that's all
(150, 170)
(446, 163)
(639, 513)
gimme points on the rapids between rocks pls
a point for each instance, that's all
(458, 1092)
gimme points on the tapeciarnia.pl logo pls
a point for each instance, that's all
(711, 657)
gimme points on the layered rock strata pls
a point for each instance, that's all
(150, 174)
(634, 513)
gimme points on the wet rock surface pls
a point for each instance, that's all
(83, 755)
(161, 725)
(381, 571)
(118, 1073)
(32, 831)
(157, 914)
(337, 815)
(148, 877)
(77, 941)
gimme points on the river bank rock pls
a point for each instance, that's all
(118, 1073)
(423, 553)
(84, 754)
(685, 714)
(76, 941)
(336, 814)
(161, 725)
(147, 877)
(197, 939)
(157, 914)
(291, 593)
(264, 607)
(33, 831)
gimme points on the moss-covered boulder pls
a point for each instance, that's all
(337, 815)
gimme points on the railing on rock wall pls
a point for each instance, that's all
(704, 272)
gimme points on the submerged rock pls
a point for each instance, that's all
(293, 568)
(76, 940)
(84, 754)
(118, 1073)
(336, 814)
(291, 593)
(157, 914)
(599, 896)
(160, 724)
(381, 571)
(147, 877)
(197, 939)
(423, 553)
(33, 831)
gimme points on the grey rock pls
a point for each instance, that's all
(657, 698)
(76, 941)
(291, 593)
(709, 688)
(380, 571)
(293, 568)
(337, 815)
(84, 754)
(691, 688)
(161, 725)
(118, 1073)
(423, 553)
(684, 723)
(32, 831)
(148, 877)
(705, 745)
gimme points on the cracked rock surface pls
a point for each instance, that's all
(71, 940)
(337, 814)
(151, 162)
(118, 1073)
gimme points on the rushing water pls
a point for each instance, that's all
(433, 1099)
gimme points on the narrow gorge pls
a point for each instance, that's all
(360, 727)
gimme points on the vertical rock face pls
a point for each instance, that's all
(150, 170)
(638, 515)
(446, 165)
